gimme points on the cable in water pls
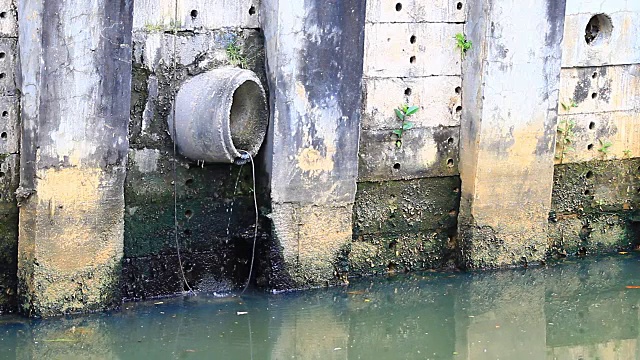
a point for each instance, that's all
(255, 230)
(175, 157)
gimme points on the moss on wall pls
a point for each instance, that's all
(404, 225)
(8, 257)
(215, 218)
(595, 207)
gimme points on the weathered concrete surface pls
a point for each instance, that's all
(425, 152)
(8, 22)
(619, 46)
(314, 63)
(599, 113)
(390, 52)
(508, 130)
(195, 14)
(9, 177)
(595, 207)
(76, 71)
(404, 225)
(430, 148)
(215, 226)
(9, 162)
(415, 11)
(215, 216)
(437, 96)
(595, 194)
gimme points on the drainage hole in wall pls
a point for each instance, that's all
(188, 214)
(450, 141)
(592, 125)
(188, 182)
(450, 162)
(412, 39)
(187, 232)
(587, 192)
(1, 174)
(598, 29)
(194, 14)
(594, 95)
(2, 54)
(590, 147)
(396, 166)
(5, 113)
(458, 109)
(252, 10)
(407, 91)
(3, 14)
(458, 89)
(459, 6)
(589, 174)
(398, 6)
(412, 59)
(3, 75)
(595, 75)
(3, 135)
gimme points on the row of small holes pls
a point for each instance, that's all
(194, 13)
(450, 141)
(407, 91)
(4, 135)
(458, 90)
(399, 6)
(397, 166)
(592, 125)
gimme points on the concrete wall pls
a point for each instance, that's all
(338, 197)
(214, 201)
(9, 155)
(597, 175)
(408, 196)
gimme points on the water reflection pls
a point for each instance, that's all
(579, 310)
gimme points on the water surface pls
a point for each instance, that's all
(579, 309)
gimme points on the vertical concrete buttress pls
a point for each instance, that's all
(76, 90)
(510, 98)
(314, 52)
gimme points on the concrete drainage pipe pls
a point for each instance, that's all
(221, 116)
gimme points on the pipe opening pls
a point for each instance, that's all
(246, 117)
(220, 116)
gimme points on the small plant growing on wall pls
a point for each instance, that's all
(627, 153)
(234, 54)
(403, 113)
(462, 43)
(569, 105)
(604, 147)
(565, 137)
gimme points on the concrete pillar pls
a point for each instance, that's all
(510, 98)
(314, 52)
(76, 79)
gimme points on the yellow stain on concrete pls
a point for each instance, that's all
(311, 160)
(512, 195)
(74, 220)
(311, 237)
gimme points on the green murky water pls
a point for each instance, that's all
(580, 309)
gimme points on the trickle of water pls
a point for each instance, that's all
(233, 200)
